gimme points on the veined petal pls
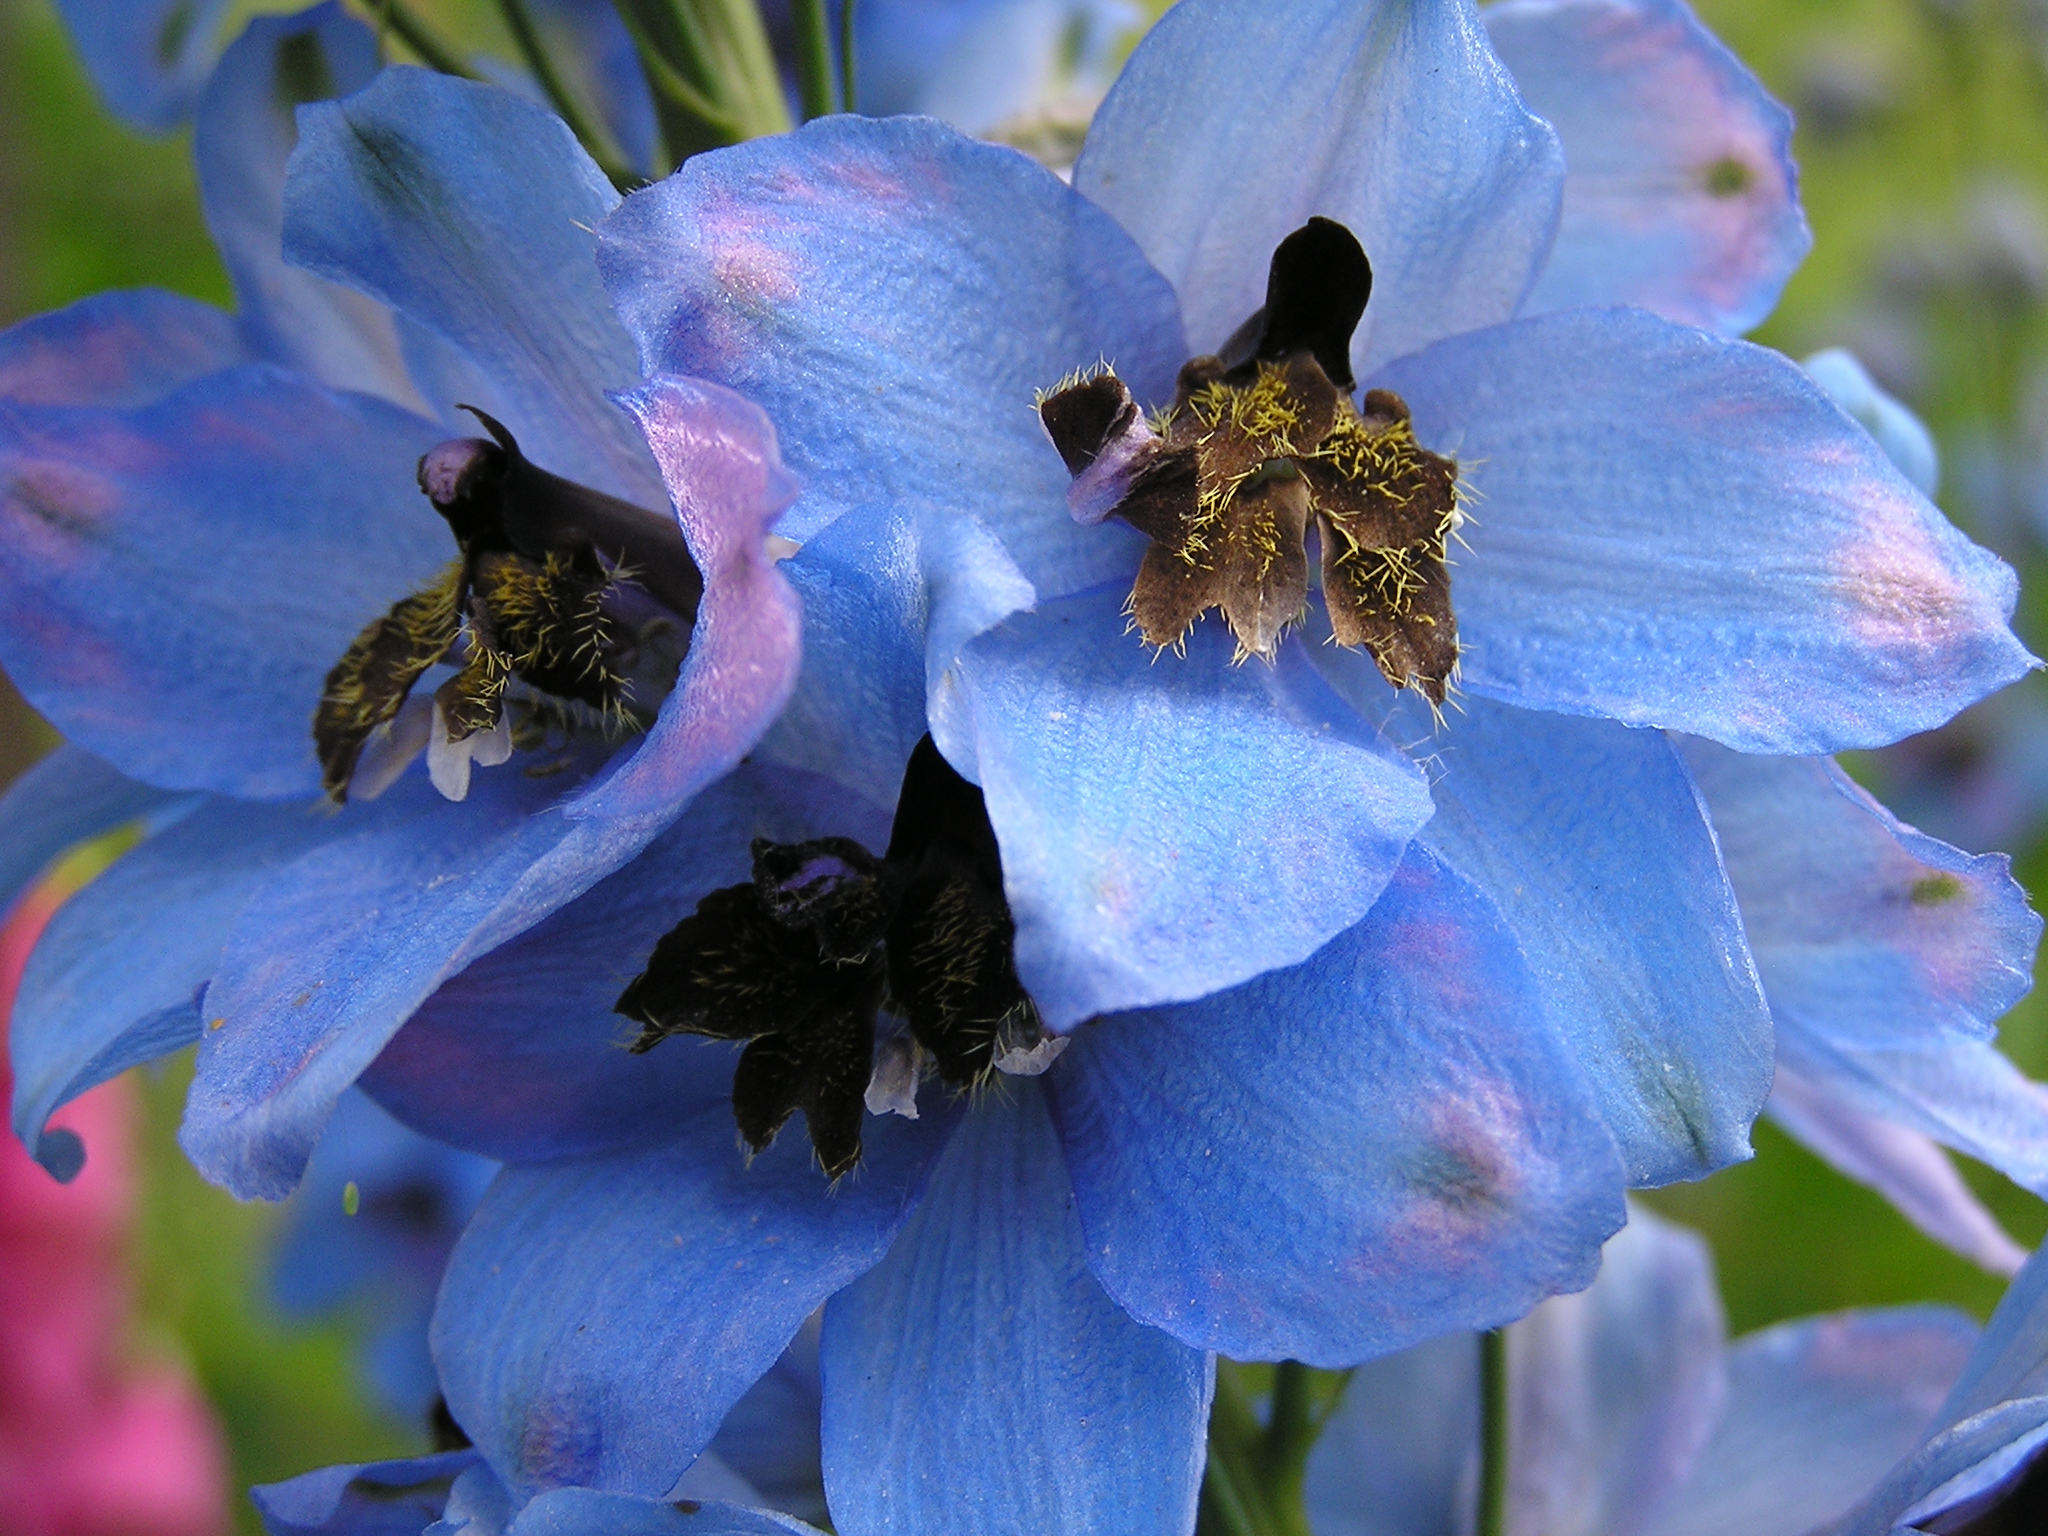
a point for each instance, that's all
(241, 139)
(1591, 840)
(1337, 1161)
(1172, 825)
(471, 212)
(895, 295)
(149, 58)
(600, 1316)
(1903, 1164)
(528, 1029)
(1232, 124)
(1816, 1411)
(978, 1378)
(118, 350)
(381, 1498)
(1677, 530)
(175, 581)
(1680, 195)
(63, 800)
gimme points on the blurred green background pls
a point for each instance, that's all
(1924, 150)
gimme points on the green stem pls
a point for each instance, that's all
(1290, 1435)
(676, 95)
(1493, 1433)
(526, 37)
(711, 71)
(394, 16)
(813, 58)
(846, 97)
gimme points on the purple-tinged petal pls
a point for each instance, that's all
(119, 350)
(1904, 1165)
(601, 1316)
(63, 800)
(726, 482)
(528, 1029)
(1173, 826)
(471, 212)
(1954, 1467)
(978, 1379)
(1680, 195)
(241, 139)
(1902, 435)
(149, 58)
(381, 1498)
(1333, 1162)
(1817, 1410)
(176, 581)
(1232, 124)
(895, 295)
(587, 1512)
(1678, 530)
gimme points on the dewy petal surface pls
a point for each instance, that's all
(1678, 530)
(471, 212)
(979, 1379)
(1338, 1161)
(599, 1317)
(1171, 827)
(241, 139)
(120, 350)
(1233, 123)
(894, 295)
(175, 581)
(1680, 195)
(528, 1029)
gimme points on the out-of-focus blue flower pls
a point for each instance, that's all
(149, 58)
(1902, 435)
(204, 510)
(1630, 1412)
(369, 1231)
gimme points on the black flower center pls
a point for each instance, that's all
(1261, 445)
(801, 962)
(585, 600)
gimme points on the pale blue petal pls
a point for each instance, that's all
(1231, 125)
(1680, 195)
(1902, 435)
(66, 798)
(2011, 1359)
(586, 1512)
(895, 296)
(148, 57)
(981, 63)
(1973, 1457)
(383, 1498)
(1391, 1459)
(528, 1030)
(1173, 824)
(116, 977)
(601, 1316)
(1673, 529)
(243, 135)
(978, 1379)
(1817, 1410)
(176, 581)
(119, 350)
(471, 212)
(1984, 1488)
(1338, 1161)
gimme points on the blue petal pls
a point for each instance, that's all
(1340, 1160)
(771, 1436)
(978, 1379)
(1973, 1457)
(1229, 127)
(528, 1029)
(890, 596)
(1172, 826)
(176, 581)
(1391, 1457)
(2011, 1359)
(380, 1498)
(1817, 1411)
(601, 1316)
(1905, 1165)
(1680, 195)
(470, 212)
(894, 295)
(119, 350)
(115, 978)
(63, 800)
(1591, 840)
(981, 63)
(148, 57)
(1678, 530)
(586, 1512)
(243, 136)
(1902, 435)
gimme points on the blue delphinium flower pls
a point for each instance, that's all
(149, 58)
(369, 1231)
(205, 513)
(1629, 1411)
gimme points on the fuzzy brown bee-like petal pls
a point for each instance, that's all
(370, 683)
